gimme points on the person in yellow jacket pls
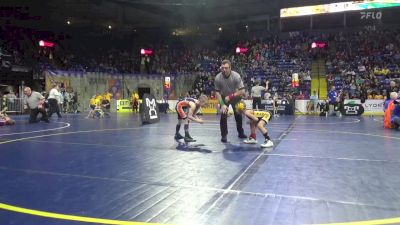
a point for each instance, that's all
(108, 96)
(258, 119)
(135, 102)
(99, 97)
(95, 103)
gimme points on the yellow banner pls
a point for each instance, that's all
(211, 108)
(338, 7)
(124, 105)
(50, 80)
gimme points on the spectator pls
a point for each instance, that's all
(332, 95)
(312, 104)
(105, 106)
(54, 96)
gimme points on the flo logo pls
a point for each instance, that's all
(371, 15)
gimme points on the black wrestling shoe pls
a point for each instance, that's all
(188, 138)
(178, 136)
(223, 139)
(242, 136)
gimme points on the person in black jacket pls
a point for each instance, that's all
(105, 106)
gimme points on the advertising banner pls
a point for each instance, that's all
(211, 108)
(149, 111)
(373, 107)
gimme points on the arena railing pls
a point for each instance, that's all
(14, 105)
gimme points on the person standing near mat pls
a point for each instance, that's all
(256, 93)
(54, 98)
(187, 111)
(332, 96)
(229, 89)
(34, 101)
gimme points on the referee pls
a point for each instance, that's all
(256, 93)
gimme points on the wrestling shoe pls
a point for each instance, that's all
(178, 136)
(188, 138)
(250, 141)
(267, 144)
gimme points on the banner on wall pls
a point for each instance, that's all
(352, 110)
(370, 106)
(124, 105)
(374, 106)
(211, 108)
(169, 87)
(281, 109)
(50, 80)
(86, 84)
(352, 107)
(149, 112)
(115, 88)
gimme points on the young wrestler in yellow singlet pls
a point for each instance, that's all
(258, 119)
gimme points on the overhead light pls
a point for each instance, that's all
(109, 27)
(43, 43)
(220, 29)
(69, 22)
(237, 50)
(241, 50)
(146, 51)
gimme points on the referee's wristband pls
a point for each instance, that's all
(231, 96)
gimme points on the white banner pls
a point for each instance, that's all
(373, 106)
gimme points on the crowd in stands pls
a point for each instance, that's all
(362, 63)
(22, 46)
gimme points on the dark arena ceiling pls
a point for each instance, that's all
(134, 14)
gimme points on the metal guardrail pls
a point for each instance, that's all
(14, 105)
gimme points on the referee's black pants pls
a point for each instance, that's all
(224, 122)
(34, 113)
